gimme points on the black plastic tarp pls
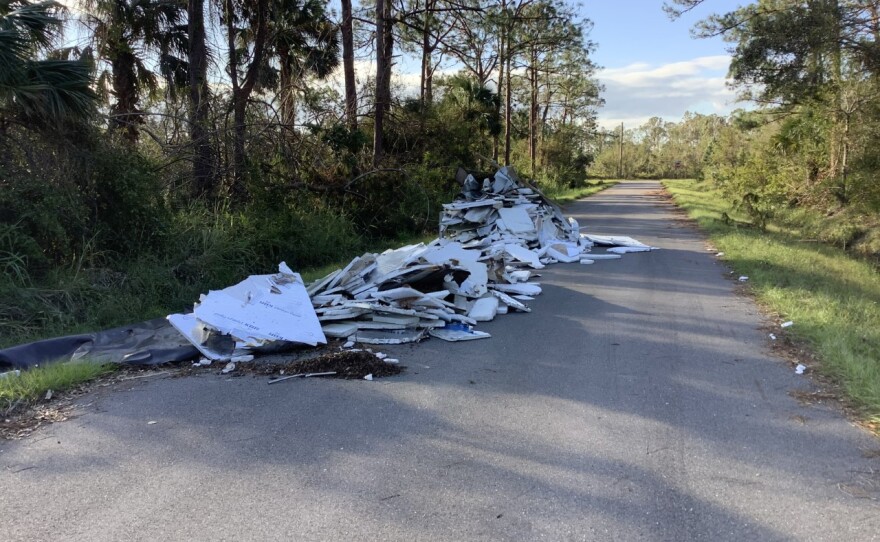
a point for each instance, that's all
(153, 342)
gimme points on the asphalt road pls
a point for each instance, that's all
(638, 401)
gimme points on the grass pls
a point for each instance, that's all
(832, 297)
(32, 385)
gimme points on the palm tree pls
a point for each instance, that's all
(475, 103)
(297, 33)
(34, 88)
(306, 43)
(127, 32)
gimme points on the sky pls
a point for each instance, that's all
(651, 66)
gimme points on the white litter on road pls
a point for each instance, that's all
(628, 250)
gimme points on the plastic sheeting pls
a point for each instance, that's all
(153, 342)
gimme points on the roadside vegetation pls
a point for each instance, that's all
(832, 297)
(180, 146)
(21, 390)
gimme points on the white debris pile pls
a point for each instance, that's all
(493, 239)
(504, 207)
(262, 311)
(438, 289)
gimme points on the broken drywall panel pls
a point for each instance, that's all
(263, 307)
(517, 221)
(189, 326)
(614, 240)
(522, 254)
(627, 250)
(596, 257)
(320, 285)
(340, 330)
(389, 337)
(484, 309)
(556, 254)
(519, 276)
(395, 319)
(461, 205)
(458, 333)
(479, 214)
(392, 260)
(510, 301)
(524, 288)
(404, 294)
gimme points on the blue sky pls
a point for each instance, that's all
(651, 64)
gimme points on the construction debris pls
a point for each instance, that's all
(261, 310)
(493, 238)
(458, 332)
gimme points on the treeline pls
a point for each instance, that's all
(809, 153)
(813, 145)
(657, 149)
(150, 149)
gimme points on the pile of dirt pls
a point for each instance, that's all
(346, 364)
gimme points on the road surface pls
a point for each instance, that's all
(638, 401)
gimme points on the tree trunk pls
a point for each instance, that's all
(533, 109)
(288, 102)
(379, 117)
(425, 55)
(837, 75)
(504, 60)
(125, 111)
(507, 99)
(389, 56)
(203, 181)
(241, 93)
(348, 66)
(496, 143)
(238, 188)
(237, 144)
(426, 94)
(542, 128)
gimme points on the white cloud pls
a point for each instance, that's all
(639, 91)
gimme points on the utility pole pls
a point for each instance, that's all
(620, 154)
